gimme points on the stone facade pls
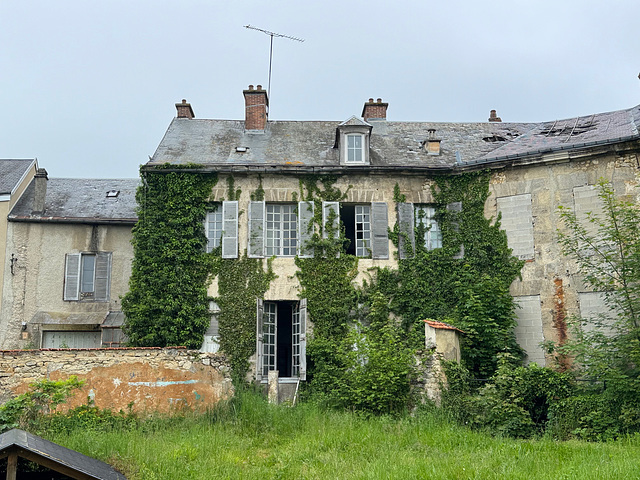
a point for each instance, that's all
(144, 379)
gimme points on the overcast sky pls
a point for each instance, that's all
(89, 87)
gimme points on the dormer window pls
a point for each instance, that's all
(355, 142)
(352, 140)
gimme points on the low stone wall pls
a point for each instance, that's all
(147, 379)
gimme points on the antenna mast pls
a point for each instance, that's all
(272, 34)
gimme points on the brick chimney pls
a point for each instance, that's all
(40, 180)
(184, 110)
(374, 110)
(493, 117)
(256, 108)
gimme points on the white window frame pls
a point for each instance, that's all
(363, 231)
(357, 151)
(214, 228)
(77, 285)
(425, 214)
(281, 230)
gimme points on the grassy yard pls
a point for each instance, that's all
(249, 439)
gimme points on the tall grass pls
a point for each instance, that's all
(247, 438)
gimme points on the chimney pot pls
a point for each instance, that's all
(259, 87)
(250, 87)
(374, 110)
(184, 110)
(493, 117)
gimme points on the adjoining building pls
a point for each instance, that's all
(69, 245)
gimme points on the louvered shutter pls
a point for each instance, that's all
(406, 230)
(303, 339)
(72, 276)
(305, 228)
(259, 320)
(256, 229)
(102, 277)
(379, 230)
(455, 208)
(230, 229)
(327, 208)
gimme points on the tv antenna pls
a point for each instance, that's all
(272, 34)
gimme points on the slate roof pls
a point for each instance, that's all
(81, 200)
(308, 145)
(49, 451)
(11, 172)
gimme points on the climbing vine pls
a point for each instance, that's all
(167, 302)
(466, 282)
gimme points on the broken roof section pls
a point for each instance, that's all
(309, 146)
(55, 457)
(11, 174)
(81, 200)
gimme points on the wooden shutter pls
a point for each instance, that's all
(305, 229)
(259, 319)
(379, 230)
(72, 276)
(406, 229)
(303, 339)
(102, 277)
(230, 229)
(256, 229)
(327, 207)
(455, 208)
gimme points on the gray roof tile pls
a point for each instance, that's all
(81, 199)
(291, 144)
(11, 171)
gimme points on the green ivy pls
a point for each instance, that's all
(167, 301)
(240, 282)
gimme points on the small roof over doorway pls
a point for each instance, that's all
(18, 443)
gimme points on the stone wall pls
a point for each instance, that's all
(148, 379)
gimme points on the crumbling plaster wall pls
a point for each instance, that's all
(38, 280)
(549, 274)
(147, 379)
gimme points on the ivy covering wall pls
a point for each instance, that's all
(167, 302)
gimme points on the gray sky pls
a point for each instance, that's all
(89, 87)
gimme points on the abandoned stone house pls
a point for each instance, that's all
(535, 168)
(69, 261)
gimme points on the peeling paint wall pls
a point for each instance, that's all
(147, 379)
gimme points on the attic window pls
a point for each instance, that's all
(355, 151)
(113, 193)
(242, 149)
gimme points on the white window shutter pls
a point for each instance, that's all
(230, 229)
(305, 229)
(259, 320)
(72, 277)
(406, 230)
(303, 339)
(327, 208)
(379, 230)
(102, 277)
(256, 229)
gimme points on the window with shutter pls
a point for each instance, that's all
(455, 208)
(213, 228)
(380, 231)
(366, 228)
(87, 277)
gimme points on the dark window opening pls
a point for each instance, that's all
(348, 218)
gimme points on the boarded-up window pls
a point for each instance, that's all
(68, 339)
(517, 221)
(529, 328)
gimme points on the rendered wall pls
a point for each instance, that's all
(150, 379)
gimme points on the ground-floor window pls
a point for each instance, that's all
(281, 338)
(71, 339)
